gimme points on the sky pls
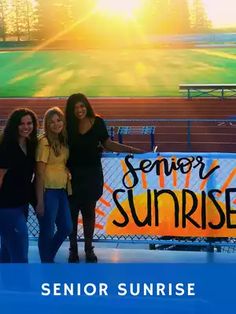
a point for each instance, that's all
(222, 13)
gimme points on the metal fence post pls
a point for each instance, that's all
(189, 146)
(112, 133)
(152, 138)
(120, 137)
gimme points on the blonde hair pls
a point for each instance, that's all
(55, 141)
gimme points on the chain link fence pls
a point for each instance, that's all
(114, 169)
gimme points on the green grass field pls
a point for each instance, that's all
(144, 72)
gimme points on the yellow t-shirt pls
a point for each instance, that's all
(56, 173)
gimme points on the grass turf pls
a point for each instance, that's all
(144, 72)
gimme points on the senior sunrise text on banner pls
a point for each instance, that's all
(179, 195)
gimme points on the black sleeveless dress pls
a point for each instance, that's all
(85, 163)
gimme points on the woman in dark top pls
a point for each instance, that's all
(87, 135)
(17, 162)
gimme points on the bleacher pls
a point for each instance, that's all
(221, 91)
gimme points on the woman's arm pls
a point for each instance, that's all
(2, 174)
(121, 148)
(40, 174)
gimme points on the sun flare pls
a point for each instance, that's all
(122, 8)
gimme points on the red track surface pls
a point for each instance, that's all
(171, 137)
(134, 108)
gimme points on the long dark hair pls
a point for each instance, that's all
(11, 133)
(71, 119)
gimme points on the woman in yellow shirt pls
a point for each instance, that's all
(51, 182)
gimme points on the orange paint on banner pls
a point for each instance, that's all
(125, 169)
(187, 179)
(104, 202)
(99, 226)
(166, 218)
(204, 182)
(100, 212)
(174, 174)
(227, 182)
(108, 188)
(161, 176)
(144, 180)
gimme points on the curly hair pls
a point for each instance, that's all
(11, 132)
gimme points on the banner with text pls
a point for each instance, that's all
(182, 194)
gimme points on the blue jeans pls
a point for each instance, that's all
(14, 235)
(56, 212)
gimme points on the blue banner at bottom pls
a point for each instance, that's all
(117, 288)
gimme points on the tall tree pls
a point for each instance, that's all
(30, 19)
(47, 18)
(178, 17)
(3, 9)
(199, 19)
(18, 18)
(54, 18)
(152, 16)
(21, 19)
(166, 16)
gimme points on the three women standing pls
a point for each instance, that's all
(87, 136)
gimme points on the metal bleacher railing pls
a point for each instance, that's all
(122, 131)
(221, 91)
(176, 134)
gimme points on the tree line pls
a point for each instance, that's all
(74, 19)
(177, 16)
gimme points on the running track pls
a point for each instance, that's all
(134, 108)
(170, 136)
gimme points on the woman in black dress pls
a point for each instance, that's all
(87, 135)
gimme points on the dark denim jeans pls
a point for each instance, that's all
(56, 212)
(14, 235)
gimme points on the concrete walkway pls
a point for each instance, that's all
(135, 253)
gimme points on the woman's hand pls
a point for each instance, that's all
(1, 182)
(135, 150)
(2, 175)
(69, 177)
(40, 175)
(121, 148)
(39, 209)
